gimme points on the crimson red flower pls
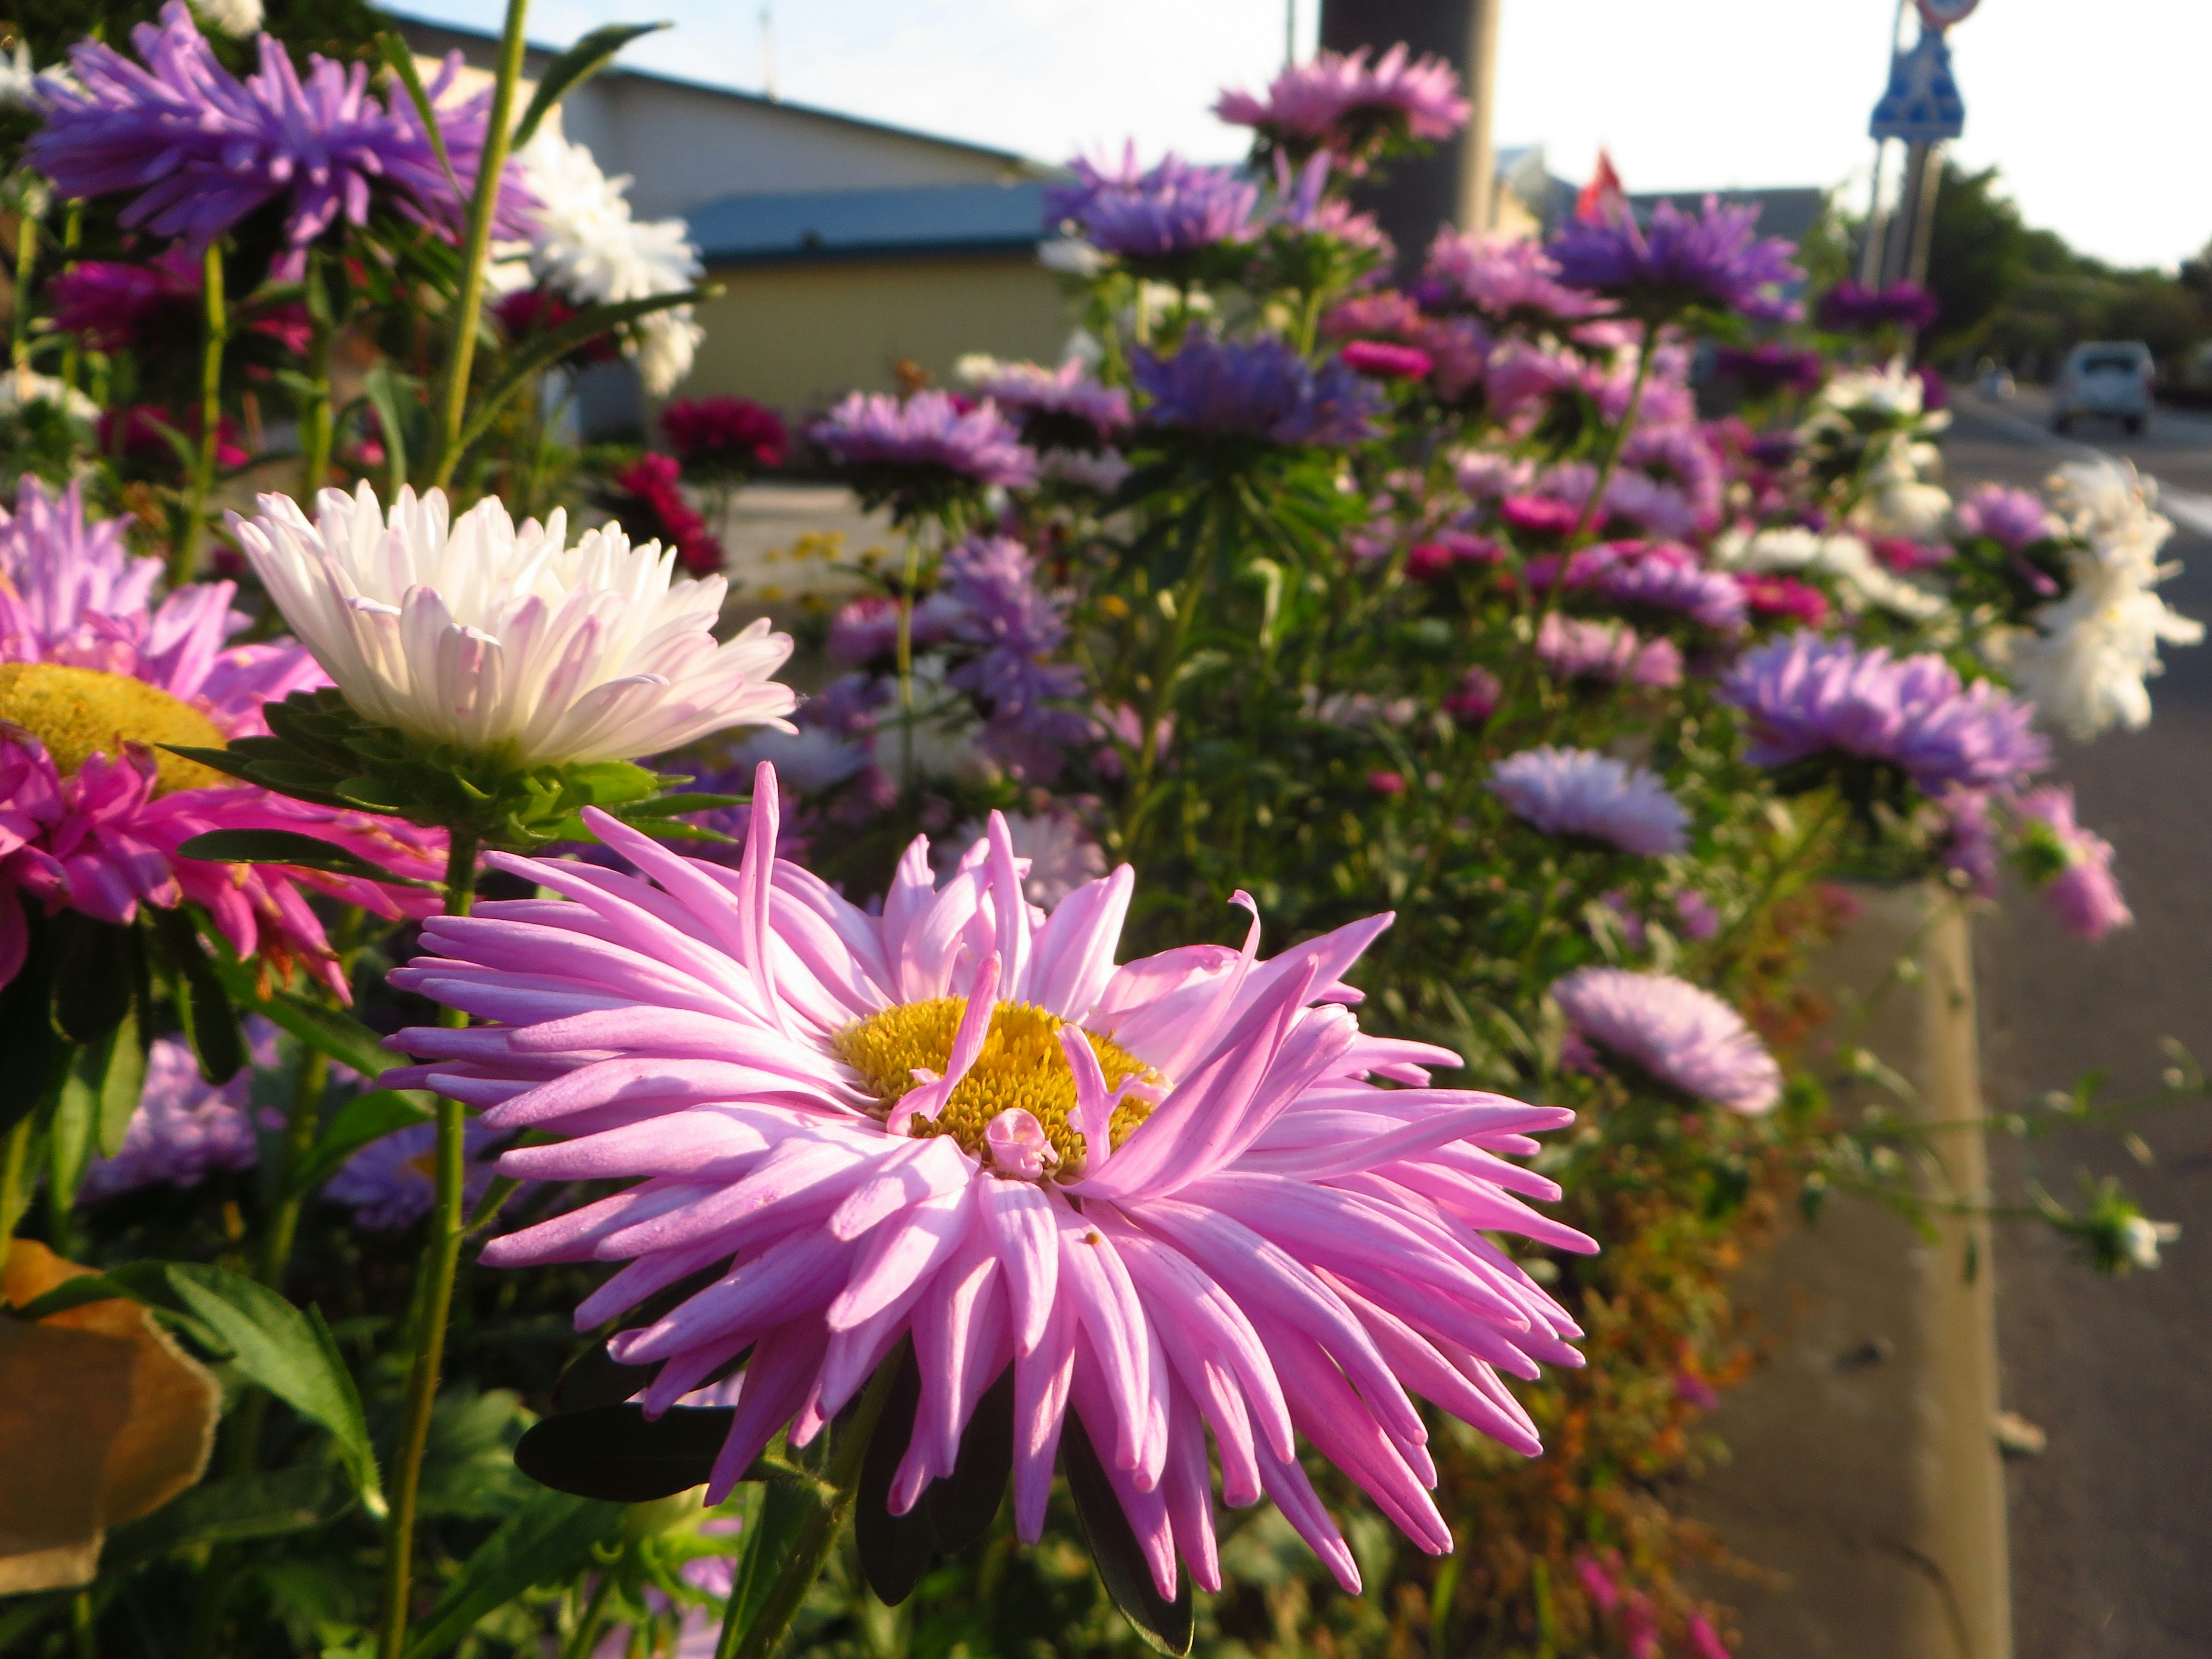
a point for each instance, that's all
(724, 436)
(144, 439)
(649, 501)
(531, 311)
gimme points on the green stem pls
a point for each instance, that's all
(299, 1132)
(1777, 876)
(468, 309)
(434, 1300)
(84, 1625)
(818, 1536)
(907, 585)
(15, 1165)
(26, 261)
(72, 235)
(1174, 645)
(587, 1622)
(315, 421)
(1616, 439)
(186, 552)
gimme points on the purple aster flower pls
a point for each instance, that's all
(1763, 369)
(1338, 103)
(1659, 577)
(1679, 262)
(867, 630)
(183, 1128)
(922, 453)
(1696, 914)
(1849, 308)
(1063, 408)
(2013, 518)
(2073, 865)
(204, 150)
(1258, 388)
(1508, 279)
(1683, 457)
(992, 578)
(1805, 695)
(1578, 792)
(1167, 212)
(1304, 208)
(1966, 841)
(1609, 652)
(389, 1184)
(1685, 1038)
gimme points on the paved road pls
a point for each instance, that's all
(2112, 1528)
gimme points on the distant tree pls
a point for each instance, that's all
(1979, 255)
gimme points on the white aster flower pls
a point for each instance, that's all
(2086, 667)
(2108, 504)
(1862, 580)
(18, 79)
(592, 249)
(19, 388)
(506, 640)
(2141, 1238)
(1892, 393)
(236, 18)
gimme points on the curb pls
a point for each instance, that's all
(1864, 1487)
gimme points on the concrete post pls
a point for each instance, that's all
(1453, 183)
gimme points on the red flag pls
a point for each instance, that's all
(1602, 198)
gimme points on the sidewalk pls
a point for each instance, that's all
(1864, 1487)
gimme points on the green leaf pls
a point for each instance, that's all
(233, 1511)
(385, 388)
(233, 762)
(288, 847)
(1165, 1625)
(545, 350)
(289, 1352)
(326, 1030)
(77, 1292)
(574, 67)
(93, 979)
(542, 1541)
(897, 1551)
(365, 1118)
(122, 1080)
(401, 57)
(615, 1453)
(203, 1005)
(69, 1135)
(595, 1377)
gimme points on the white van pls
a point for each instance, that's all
(2111, 377)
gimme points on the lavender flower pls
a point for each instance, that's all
(204, 150)
(1170, 212)
(1018, 627)
(1338, 103)
(1660, 577)
(865, 630)
(1805, 697)
(2072, 866)
(389, 1184)
(1966, 841)
(183, 1128)
(1684, 1038)
(1508, 279)
(1258, 388)
(1848, 307)
(1063, 408)
(1578, 792)
(922, 453)
(1679, 263)
(2013, 518)
(1307, 212)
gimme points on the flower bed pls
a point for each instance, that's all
(1204, 1089)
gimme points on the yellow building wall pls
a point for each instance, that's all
(794, 336)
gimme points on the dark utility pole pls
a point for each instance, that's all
(1453, 184)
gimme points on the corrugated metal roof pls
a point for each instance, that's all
(845, 224)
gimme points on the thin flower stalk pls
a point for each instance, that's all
(433, 1301)
(452, 406)
(186, 553)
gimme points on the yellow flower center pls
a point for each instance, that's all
(78, 713)
(1021, 1065)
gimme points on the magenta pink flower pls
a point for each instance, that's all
(1606, 652)
(1381, 361)
(1339, 103)
(2081, 892)
(93, 678)
(1181, 1195)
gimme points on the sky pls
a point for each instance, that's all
(2092, 109)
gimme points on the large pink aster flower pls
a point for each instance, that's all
(1175, 1195)
(94, 676)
